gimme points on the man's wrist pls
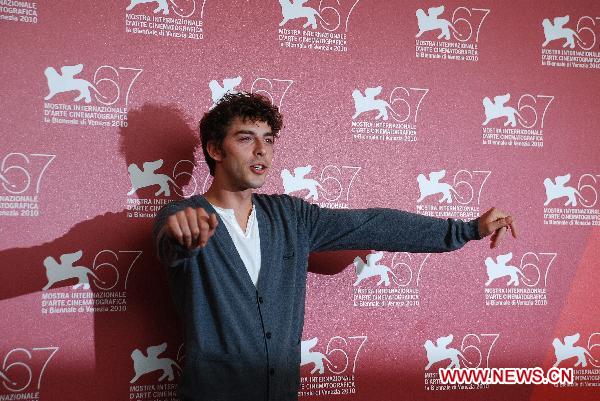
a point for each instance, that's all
(474, 225)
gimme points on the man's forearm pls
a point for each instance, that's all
(387, 229)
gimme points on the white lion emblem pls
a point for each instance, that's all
(65, 270)
(559, 190)
(432, 186)
(367, 102)
(147, 177)
(497, 109)
(315, 357)
(162, 5)
(217, 91)
(372, 269)
(295, 9)
(66, 82)
(558, 31)
(297, 182)
(569, 350)
(438, 352)
(146, 364)
(499, 269)
(431, 22)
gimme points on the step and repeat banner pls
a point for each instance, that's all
(439, 108)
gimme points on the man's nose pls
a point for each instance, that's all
(259, 147)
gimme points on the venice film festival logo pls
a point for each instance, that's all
(474, 352)
(568, 354)
(153, 368)
(388, 280)
(572, 205)
(147, 177)
(323, 27)
(461, 197)
(332, 371)
(273, 88)
(566, 349)
(455, 39)
(108, 276)
(179, 19)
(371, 118)
(161, 185)
(571, 48)
(22, 372)
(21, 177)
(523, 125)
(524, 284)
(331, 188)
(105, 98)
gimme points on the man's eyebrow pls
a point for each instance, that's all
(241, 132)
(246, 132)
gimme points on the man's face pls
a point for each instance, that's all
(245, 156)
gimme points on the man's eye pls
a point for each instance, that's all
(245, 138)
(270, 140)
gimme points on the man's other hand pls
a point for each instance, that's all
(496, 222)
(191, 227)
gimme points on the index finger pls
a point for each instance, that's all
(201, 212)
(513, 228)
(202, 218)
(212, 222)
(497, 237)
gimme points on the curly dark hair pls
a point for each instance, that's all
(248, 106)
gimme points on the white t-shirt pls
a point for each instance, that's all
(247, 243)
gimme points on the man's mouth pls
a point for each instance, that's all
(258, 167)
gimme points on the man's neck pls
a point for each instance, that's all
(236, 200)
(239, 201)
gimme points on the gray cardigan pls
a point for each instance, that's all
(243, 342)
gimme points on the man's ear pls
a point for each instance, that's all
(214, 151)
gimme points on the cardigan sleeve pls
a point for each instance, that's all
(382, 229)
(169, 251)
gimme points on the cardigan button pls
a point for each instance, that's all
(260, 300)
(268, 335)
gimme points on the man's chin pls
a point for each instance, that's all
(257, 182)
(257, 185)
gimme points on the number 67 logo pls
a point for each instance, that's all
(471, 352)
(340, 357)
(20, 172)
(109, 85)
(531, 266)
(20, 368)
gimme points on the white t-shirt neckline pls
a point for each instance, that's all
(246, 243)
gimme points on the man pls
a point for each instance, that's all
(237, 261)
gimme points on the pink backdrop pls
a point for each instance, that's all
(374, 111)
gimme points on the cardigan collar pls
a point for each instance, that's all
(264, 229)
